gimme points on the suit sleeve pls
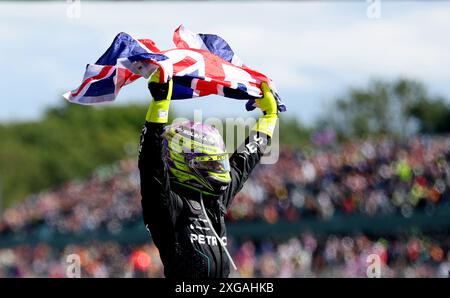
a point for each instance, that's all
(157, 198)
(243, 161)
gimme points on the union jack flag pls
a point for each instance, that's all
(199, 65)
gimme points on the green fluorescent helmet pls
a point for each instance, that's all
(196, 157)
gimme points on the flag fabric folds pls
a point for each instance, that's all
(199, 65)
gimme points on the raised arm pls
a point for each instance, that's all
(248, 155)
(155, 185)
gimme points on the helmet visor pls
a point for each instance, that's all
(212, 163)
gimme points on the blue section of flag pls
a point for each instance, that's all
(125, 46)
(182, 88)
(218, 46)
(103, 87)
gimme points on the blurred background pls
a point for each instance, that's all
(364, 166)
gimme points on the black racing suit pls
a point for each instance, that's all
(174, 217)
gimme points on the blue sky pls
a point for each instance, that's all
(312, 50)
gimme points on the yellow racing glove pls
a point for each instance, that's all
(158, 111)
(268, 105)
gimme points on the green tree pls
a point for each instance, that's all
(293, 133)
(397, 108)
(433, 117)
(69, 143)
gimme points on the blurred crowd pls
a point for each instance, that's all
(370, 177)
(109, 198)
(303, 256)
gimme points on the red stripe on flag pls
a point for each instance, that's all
(183, 64)
(124, 77)
(213, 68)
(178, 41)
(204, 88)
(150, 44)
(100, 75)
